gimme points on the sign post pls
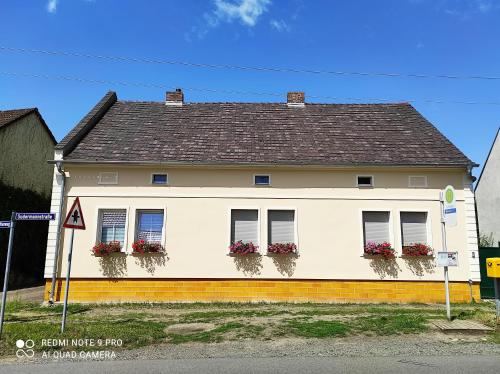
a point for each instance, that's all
(448, 218)
(11, 225)
(74, 220)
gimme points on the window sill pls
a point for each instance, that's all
(114, 254)
(268, 254)
(137, 254)
(244, 254)
(416, 257)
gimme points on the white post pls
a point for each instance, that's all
(445, 249)
(65, 308)
(7, 268)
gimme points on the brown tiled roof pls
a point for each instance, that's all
(8, 117)
(259, 133)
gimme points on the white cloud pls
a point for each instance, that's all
(279, 25)
(247, 11)
(52, 6)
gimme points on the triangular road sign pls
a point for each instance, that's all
(74, 219)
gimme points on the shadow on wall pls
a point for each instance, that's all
(248, 264)
(285, 264)
(114, 265)
(151, 261)
(385, 267)
(420, 265)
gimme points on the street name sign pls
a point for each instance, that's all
(4, 224)
(35, 216)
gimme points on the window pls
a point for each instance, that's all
(281, 226)
(108, 178)
(376, 227)
(244, 225)
(417, 181)
(365, 181)
(262, 180)
(413, 228)
(112, 226)
(159, 179)
(150, 226)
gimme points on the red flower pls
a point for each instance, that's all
(105, 249)
(142, 246)
(243, 248)
(282, 248)
(417, 249)
(383, 249)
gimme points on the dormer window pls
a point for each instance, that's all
(262, 180)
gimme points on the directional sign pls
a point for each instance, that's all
(4, 224)
(74, 219)
(35, 216)
(449, 206)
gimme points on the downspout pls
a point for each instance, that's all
(58, 236)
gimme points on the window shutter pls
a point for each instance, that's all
(244, 226)
(376, 227)
(113, 226)
(414, 227)
(281, 226)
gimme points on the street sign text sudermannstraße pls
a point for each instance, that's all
(35, 216)
(4, 224)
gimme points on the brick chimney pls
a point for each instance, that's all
(295, 99)
(175, 97)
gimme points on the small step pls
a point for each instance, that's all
(459, 325)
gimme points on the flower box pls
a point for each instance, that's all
(282, 248)
(241, 248)
(142, 246)
(417, 250)
(384, 250)
(105, 249)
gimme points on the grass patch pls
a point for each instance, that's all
(212, 336)
(318, 329)
(392, 324)
(214, 315)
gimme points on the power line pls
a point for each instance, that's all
(245, 68)
(230, 92)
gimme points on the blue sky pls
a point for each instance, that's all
(432, 37)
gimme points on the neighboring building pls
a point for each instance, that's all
(196, 177)
(26, 144)
(488, 194)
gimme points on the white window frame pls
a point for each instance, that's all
(295, 224)
(159, 173)
(99, 226)
(163, 229)
(426, 184)
(261, 175)
(362, 231)
(259, 237)
(99, 181)
(428, 226)
(365, 185)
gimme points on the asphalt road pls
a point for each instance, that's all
(289, 365)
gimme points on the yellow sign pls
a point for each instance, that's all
(493, 267)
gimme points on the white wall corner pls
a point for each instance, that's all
(471, 230)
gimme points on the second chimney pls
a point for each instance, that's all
(295, 99)
(175, 97)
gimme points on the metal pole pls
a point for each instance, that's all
(65, 308)
(496, 282)
(7, 268)
(58, 241)
(445, 249)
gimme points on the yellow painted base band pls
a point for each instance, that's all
(253, 290)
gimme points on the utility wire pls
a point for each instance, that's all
(230, 92)
(246, 68)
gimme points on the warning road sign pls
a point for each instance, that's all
(74, 219)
